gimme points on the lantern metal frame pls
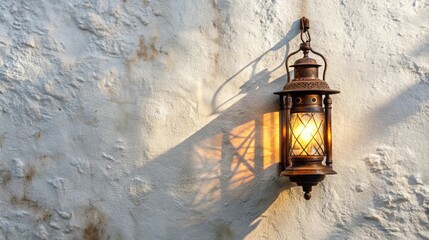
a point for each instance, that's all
(304, 94)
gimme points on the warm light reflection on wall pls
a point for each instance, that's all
(256, 143)
(271, 139)
(236, 157)
(243, 161)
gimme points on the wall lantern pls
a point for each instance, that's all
(305, 124)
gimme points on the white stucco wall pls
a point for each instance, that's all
(144, 119)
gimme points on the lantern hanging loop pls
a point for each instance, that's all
(305, 25)
(305, 47)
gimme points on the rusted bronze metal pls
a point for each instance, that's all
(283, 133)
(306, 93)
(306, 103)
(306, 71)
(305, 24)
(328, 131)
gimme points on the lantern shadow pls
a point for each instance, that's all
(243, 179)
(219, 181)
(292, 33)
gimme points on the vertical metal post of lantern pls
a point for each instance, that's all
(285, 106)
(305, 120)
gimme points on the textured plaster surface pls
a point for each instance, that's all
(143, 119)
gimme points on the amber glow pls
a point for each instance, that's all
(243, 140)
(239, 154)
(307, 134)
(271, 139)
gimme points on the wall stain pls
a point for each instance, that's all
(2, 138)
(5, 177)
(145, 51)
(44, 158)
(26, 202)
(29, 174)
(37, 135)
(28, 177)
(95, 226)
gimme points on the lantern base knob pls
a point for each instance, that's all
(307, 190)
(307, 182)
(307, 196)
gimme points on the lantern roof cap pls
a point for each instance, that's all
(306, 61)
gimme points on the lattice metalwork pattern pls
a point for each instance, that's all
(307, 134)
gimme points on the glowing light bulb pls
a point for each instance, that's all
(308, 132)
(305, 137)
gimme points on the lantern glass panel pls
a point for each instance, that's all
(307, 134)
